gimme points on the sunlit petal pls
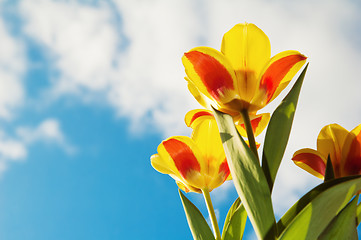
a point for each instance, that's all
(211, 73)
(277, 74)
(207, 138)
(186, 158)
(194, 117)
(330, 142)
(248, 49)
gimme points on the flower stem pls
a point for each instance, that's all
(250, 134)
(212, 214)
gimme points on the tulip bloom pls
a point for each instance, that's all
(242, 76)
(343, 147)
(197, 163)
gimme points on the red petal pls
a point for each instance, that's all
(213, 74)
(223, 168)
(182, 156)
(353, 160)
(276, 72)
(254, 123)
(313, 161)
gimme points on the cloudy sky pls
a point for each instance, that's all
(88, 89)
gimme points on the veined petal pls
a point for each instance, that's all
(212, 74)
(311, 161)
(351, 153)
(160, 165)
(200, 97)
(248, 49)
(208, 140)
(277, 74)
(330, 141)
(258, 121)
(196, 116)
(220, 176)
(181, 155)
(188, 188)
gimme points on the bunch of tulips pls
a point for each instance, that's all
(233, 85)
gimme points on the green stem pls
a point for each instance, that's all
(212, 214)
(250, 134)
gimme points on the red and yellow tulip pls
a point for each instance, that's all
(258, 121)
(343, 147)
(243, 76)
(197, 163)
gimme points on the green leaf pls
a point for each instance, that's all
(198, 225)
(248, 178)
(235, 222)
(358, 214)
(315, 210)
(278, 131)
(344, 225)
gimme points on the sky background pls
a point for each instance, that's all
(88, 89)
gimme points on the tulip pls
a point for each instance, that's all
(198, 162)
(343, 148)
(242, 76)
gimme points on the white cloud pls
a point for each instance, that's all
(144, 81)
(48, 131)
(12, 67)
(15, 148)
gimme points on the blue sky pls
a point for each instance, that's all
(88, 89)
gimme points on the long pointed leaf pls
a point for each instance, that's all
(248, 178)
(278, 131)
(329, 174)
(344, 225)
(315, 210)
(358, 214)
(235, 222)
(198, 225)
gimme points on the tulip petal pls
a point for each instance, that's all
(196, 116)
(159, 164)
(248, 49)
(277, 74)
(351, 153)
(211, 73)
(224, 169)
(183, 158)
(330, 141)
(311, 161)
(187, 188)
(208, 140)
(258, 121)
(200, 97)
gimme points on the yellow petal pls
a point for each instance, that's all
(311, 161)
(206, 136)
(248, 49)
(330, 142)
(160, 165)
(200, 97)
(194, 117)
